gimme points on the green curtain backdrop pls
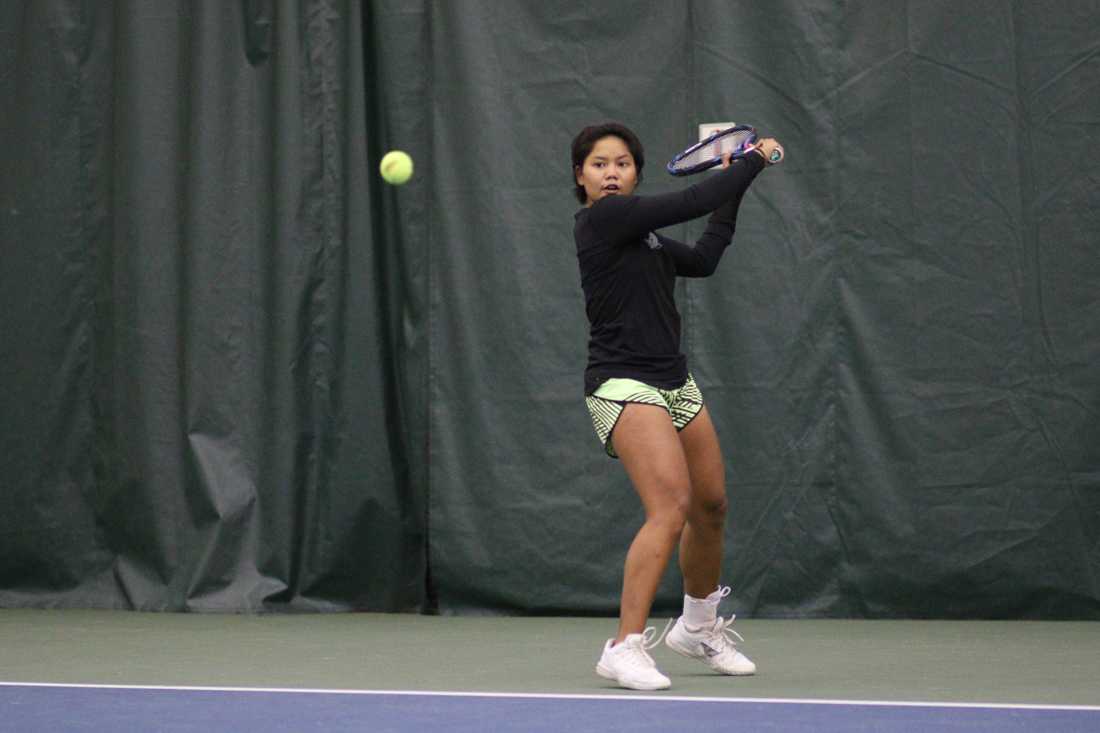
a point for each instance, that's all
(240, 373)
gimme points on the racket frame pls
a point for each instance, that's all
(738, 152)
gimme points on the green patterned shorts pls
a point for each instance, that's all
(606, 404)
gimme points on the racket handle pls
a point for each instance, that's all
(777, 155)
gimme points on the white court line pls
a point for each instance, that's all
(567, 696)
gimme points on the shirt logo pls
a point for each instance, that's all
(652, 241)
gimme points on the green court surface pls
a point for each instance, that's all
(1017, 662)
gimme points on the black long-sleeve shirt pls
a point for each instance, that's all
(628, 273)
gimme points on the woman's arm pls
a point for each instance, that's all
(702, 259)
(623, 218)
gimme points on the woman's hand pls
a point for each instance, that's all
(767, 147)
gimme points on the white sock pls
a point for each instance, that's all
(701, 613)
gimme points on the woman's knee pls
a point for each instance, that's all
(711, 510)
(672, 512)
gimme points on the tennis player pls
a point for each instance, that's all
(645, 406)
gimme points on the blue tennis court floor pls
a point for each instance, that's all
(29, 708)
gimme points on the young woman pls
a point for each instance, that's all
(645, 406)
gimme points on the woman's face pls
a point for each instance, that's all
(608, 170)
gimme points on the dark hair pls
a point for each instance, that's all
(587, 138)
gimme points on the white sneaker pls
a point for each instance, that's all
(629, 664)
(713, 645)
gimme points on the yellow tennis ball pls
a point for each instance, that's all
(396, 167)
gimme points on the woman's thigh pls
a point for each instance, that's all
(653, 456)
(703, 456)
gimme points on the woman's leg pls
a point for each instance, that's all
(647, 445)
(701, 542)
(705, 638)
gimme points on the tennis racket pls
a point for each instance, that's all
(705, 154)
